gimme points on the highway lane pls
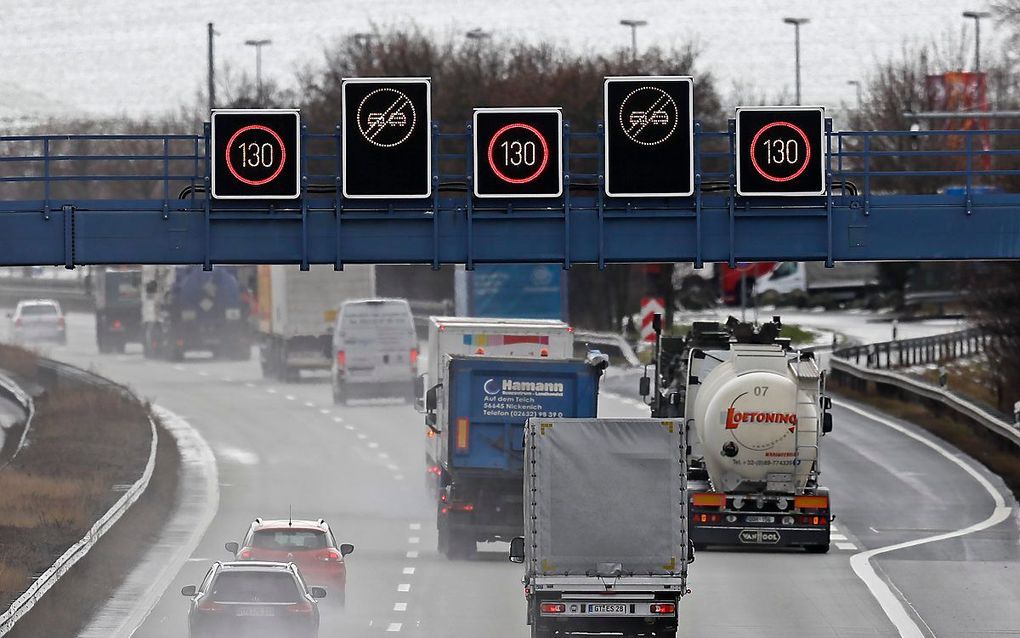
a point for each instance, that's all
(282, 445)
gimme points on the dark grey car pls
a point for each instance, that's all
(253, 599)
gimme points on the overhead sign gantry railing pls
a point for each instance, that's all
(389, 185)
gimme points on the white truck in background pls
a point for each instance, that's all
(605, 509)
(296, 313)
(843, 282)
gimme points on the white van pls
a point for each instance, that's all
(375, 350)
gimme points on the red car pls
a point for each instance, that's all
(308, 544)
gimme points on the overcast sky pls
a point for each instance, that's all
(110, 57)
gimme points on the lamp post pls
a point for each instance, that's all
(976, 16)
(796, 22)
(258, 44)
(633, 24)
(857, 85)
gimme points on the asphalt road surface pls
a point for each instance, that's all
(281, 446)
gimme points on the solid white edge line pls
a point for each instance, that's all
(394, 626)
(399, 606)
(207, 459)
(861, 563)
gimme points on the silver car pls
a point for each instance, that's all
(38, 320)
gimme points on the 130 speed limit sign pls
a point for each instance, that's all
(255, 154)
(517, 152)
(781, 151)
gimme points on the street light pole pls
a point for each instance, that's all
(976, 16)
(212, 70)
(857, 83)
(633, 24)
(258, 44)
(796, 22)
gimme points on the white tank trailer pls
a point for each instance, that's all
(756, 412)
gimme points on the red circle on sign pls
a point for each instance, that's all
(276, 173)
(518, 180)
(807, 153)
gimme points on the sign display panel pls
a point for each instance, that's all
(518, 152)
(387, 138)
(649, 124)
(780, 151)
(256, 154)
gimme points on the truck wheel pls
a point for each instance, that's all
(541, 632)
(443, 529)
(462, 546)
(118, 346)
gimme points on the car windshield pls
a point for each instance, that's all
(255, 587)
(290, 539)
(38, 309)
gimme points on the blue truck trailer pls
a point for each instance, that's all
(477, 430)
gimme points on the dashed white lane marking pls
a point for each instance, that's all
(394, 626)
(338, 419)
(409, 571)
(323, 411)
(846, 546)
(227, 380)
(414, 526)
(384, 455)
(362, 437)
(412, 554)
(399, 606)
(392, 467)
(270, 391)
(309, 404)
(837, 537)
(414, 540)
(290, 397)
(179, 368)
(373, 445)
(249, 384)
(398, 477)
(861, 562)
(350, 427)
(834, 527)
(203, 373)
(404, 587)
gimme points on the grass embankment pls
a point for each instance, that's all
(85, 446)
(971, 378)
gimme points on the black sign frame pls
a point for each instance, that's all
(615, 128)
(783, 114)
(554, 154)
(230, 189)
(421, 131)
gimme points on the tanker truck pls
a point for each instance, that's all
(756, 411)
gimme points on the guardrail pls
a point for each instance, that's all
(56, 370)
(923, 350)
(14, 391)
(70, 293)
(856, 376)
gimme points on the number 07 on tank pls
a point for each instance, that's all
(780, 151)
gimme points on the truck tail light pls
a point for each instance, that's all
(707, 518)
(709, 499)
(553, 608)
(414, 357)
(117, 325)
(463, 434)
(60, 322)
(811, 502)
(663, 608)
(341, 358)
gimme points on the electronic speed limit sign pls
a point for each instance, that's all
(649, 124)
(518, 152)
(387, 138)
(780, 151)
(256, 154)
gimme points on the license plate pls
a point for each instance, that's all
(607, 608)
(255, 612)
(761, 519)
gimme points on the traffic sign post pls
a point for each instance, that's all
(256, 154)
(387, 138)
(780, 151)
(649, 147)
(518, 152)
